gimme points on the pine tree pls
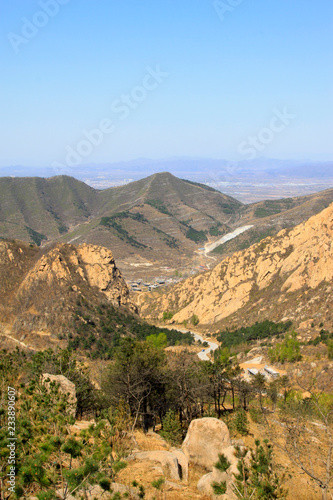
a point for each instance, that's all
(172, 430)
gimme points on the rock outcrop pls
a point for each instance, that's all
(182, 464)
(216, 476)
(294, 260)
(205, 485)
(176, 465)
(205, 439)
(83, 264)
(48, 295)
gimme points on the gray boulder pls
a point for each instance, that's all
(205, 439)
(167, 459)
(205, 482)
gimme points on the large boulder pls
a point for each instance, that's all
(66, 387)
(205, 482)
(205, 485)
(205, 439)
(182, 464)
(166, 459)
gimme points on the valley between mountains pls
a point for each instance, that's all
(260, 303)
(283, 277)
(157, 222)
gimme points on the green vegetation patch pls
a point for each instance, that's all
(62, 229)
(159, 206)
(230, 207)
(123, 234)
(196, 236)
(262, 212)
(326, 338)
(46, 456)
(262, 330)
(98, 331)
(287, 350)
(169, 240)
(125, 215)
(215, 230)
(35, 236)
(272, 207)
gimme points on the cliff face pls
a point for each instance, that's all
(41, 294)
(78, 266)
(295, 261)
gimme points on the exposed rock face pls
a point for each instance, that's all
(166, 459)
(44, 296)
(205, 485)
(182, 464)
(66, 387)
(205, 482)
(72, 265)
(205, 439)
(294, 259)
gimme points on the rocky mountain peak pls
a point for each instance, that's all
(75, 266)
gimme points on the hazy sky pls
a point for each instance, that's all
(231, 79)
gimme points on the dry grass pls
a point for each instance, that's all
(298, 485)
(150, 441)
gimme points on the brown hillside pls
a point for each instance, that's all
(157, 222)
(41, 292)
(288, 275)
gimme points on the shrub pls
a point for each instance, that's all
(330, 349)
(256, 415)
(172, 431)
(196, 236)
(158, 483)
(194, 320)
(288, 350)
(167, 315)
(241, 422)
(222, 464)
(219, 488)
(159, 205)
(262, 330)
(259, 478)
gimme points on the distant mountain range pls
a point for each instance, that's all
(157, 221)
(197, 169)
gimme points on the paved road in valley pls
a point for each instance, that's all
(203, 355)
(227, 237)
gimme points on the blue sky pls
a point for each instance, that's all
(230, 69)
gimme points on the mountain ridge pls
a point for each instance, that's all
(154, 222)
(282, 277)
(47, 295)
